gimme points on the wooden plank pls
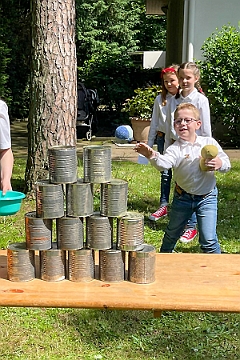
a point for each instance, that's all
(184, 282)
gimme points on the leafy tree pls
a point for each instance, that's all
(15, 38)
(221, 73)
(107, 32)
(4, 59)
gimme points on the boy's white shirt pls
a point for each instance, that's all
(201, 102)
(5, 138)
(184, 158)
(158, 121)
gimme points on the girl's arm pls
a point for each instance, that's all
(206, 129)
(154, 122)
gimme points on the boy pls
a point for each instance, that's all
(195, 189)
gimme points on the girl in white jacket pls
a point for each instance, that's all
(158, 129)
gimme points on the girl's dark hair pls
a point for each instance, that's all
(195, 69)
(170, 69)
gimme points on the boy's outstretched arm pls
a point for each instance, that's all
(144, 150)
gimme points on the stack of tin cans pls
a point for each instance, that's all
(105, 243)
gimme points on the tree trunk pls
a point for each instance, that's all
(53, 93)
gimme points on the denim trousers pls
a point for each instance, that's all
(166, 175)
(206, 211)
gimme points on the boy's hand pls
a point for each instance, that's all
(213, 164)
(144, 150)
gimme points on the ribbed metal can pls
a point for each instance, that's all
(62, 162)
(97, 164)
(130, 234)
(69, 233)
(114, 198)
(38, 232)
(79, 199)
(49, 200)
(81, 265)
(20, 263)
(52, 264)
(141, 265)
(99, 232)
(111, 265)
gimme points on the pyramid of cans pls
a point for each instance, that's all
(110, 240)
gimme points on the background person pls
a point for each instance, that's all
(158, 129)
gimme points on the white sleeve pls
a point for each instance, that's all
(5, 137)
(154, 123)
(204, 109)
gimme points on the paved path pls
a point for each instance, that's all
(119, 153)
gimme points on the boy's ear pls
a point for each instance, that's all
(198, 124)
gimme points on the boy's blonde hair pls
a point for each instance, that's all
(188, 106)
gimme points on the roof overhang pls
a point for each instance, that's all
(156, 7)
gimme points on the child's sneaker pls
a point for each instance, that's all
(161, 212)
(188, 235)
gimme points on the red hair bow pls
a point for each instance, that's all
(167, 70)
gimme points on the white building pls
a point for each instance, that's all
(191, 22)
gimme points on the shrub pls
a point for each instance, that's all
(220, 74)
(141, 104)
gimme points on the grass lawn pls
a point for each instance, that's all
(41, 333)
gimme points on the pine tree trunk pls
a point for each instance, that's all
(53, 93)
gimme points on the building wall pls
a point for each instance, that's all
(208, 15)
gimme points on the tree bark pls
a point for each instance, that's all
(53, 92)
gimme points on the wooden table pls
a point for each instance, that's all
(184, 282)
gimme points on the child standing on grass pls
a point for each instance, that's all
(6, 155)
(157, 129)
(191, 92)
(195, 190)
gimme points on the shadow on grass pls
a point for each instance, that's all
(137, 334)
(18, 184)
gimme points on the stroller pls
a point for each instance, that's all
(87, 104)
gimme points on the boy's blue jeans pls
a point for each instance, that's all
(206, 210)
(166, 175)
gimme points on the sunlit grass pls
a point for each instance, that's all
(61, 334)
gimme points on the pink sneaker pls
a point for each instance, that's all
(188, 235)
(161, 212)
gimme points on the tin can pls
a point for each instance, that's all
(81, 265)
(69, 233)
(99, 232)
(97, 164)
(79, 199)
(111, 265)
(38, 232)
(52, 264)
(141, 265)
(114, 198)
(130, 235)
(49, 200)
(20, 263)
(62, 162)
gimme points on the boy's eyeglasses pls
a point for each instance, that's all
(186, 121)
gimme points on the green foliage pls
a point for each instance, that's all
(15, 35)
(4, 59)
(141, 104)
(220, 74)
(107, 32)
